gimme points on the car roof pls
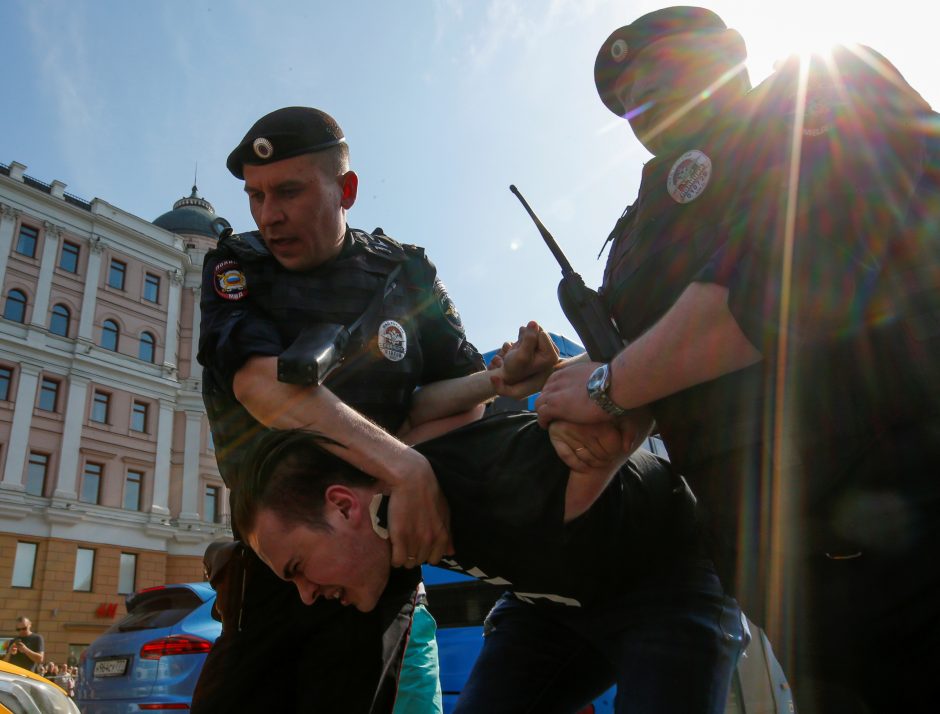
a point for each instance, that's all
(13, 670)
(203, 591)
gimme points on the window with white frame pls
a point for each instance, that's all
(84, 569)
(24, 565)
(127, 573)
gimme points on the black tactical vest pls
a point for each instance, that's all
(376, 381)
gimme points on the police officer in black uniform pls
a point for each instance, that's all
(779, 275)
(310, 324)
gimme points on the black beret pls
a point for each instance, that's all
(624, 44)
(284, 133)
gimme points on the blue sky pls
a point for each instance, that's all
(444, 103)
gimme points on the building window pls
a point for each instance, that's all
(6, 378)
(100, 408)
(127, 573)
(84, 569)
(26, 243)
(139, 417)
(59, 324)
(210, 504)
(116, 274)
(109, 335)
(68, 258)
(152, 287)
(147, 347)
(132, 490)
(48, 395)
(36, 473)
(15, 307)
(91, 484)
(24, 565)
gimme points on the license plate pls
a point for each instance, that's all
(111, 667)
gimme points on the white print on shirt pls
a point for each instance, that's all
(525, 597)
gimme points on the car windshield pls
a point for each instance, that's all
(162, 608)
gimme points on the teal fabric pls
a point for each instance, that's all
(419, 687)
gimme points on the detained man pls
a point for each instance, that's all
(609, 584)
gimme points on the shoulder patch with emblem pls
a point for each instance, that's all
(447, 305)
(229, 282)
(393, 342)
(689, 176)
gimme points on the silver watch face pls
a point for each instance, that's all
(597, 380)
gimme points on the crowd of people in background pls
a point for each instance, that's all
(27, 650)
(64, 675)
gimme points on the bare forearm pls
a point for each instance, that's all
(35, 657)
(286, 406)
(696, 341)
(417, 506)
(449, 397)
(436, 427)
(584, 486)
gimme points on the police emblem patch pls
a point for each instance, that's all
(689, 176)
(230, 282)
(618, 50)
(393, 342)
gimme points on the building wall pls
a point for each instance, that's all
(169, 530)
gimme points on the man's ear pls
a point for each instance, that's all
(349, 182)
(343, 503)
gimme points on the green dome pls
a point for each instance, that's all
(192, 215)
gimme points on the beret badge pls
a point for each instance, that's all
(263, 148)
(618, 50)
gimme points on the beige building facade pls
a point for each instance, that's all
(108, 480)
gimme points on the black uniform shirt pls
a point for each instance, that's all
(251, 305)
(815, 260)
(506, 489)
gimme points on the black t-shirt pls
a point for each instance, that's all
(506, 490)
(34, 642)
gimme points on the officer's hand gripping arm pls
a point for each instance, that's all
(423, 533)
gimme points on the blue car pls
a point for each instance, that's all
(151, 658)
(459, 603)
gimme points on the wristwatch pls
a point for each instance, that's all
(598, 389)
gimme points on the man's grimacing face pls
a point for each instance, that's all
(347, 562)
(299, 207)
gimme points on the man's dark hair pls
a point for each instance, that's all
(288, 471)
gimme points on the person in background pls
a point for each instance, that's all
(27, 649)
